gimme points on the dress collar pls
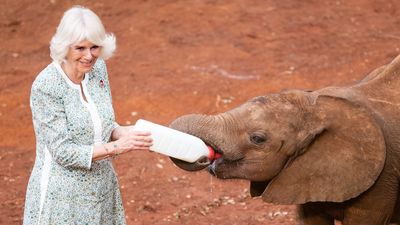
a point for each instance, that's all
(66, 78)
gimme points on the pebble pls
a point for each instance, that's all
(159, 165)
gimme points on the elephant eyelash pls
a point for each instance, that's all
(258, 138)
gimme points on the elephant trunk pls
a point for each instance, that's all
(196, 125)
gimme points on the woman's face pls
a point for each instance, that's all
(82, 56)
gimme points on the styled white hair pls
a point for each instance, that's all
(78, 24)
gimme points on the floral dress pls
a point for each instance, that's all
(65, 186)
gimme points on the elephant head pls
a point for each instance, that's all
(294, 147)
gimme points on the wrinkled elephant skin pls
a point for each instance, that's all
(335, 151)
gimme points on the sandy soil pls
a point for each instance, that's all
(176, 57)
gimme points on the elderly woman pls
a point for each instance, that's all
(73, 180)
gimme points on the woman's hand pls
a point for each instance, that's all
(121, 131)
(127, 140)
(132, 140)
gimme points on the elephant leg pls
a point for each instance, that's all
(312, 214)
(377, 206)
(367, 216)
(368, 219)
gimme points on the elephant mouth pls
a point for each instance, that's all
(222, 162)
(212, 168)
(212, 160)
(202, 162)
(215, 167)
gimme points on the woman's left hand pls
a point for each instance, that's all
(121, 131)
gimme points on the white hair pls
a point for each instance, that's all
(78, 24)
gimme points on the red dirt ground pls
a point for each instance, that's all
(176, 57)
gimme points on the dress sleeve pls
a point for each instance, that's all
(115, 125)
(50, 123)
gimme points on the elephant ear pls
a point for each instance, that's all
(342, 154)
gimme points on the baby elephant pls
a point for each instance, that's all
(335, 152)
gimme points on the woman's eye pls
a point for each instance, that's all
(94, 47)
(258, 138)
(80, 48)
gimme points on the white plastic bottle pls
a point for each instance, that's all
(175, 143)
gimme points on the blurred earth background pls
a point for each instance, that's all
(176, 57)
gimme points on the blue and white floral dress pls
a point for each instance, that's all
(65, 186)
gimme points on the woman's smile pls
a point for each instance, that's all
(87, 64)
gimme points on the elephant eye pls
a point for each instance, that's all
(258, 138)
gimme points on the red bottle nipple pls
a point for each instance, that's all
(213, 155)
